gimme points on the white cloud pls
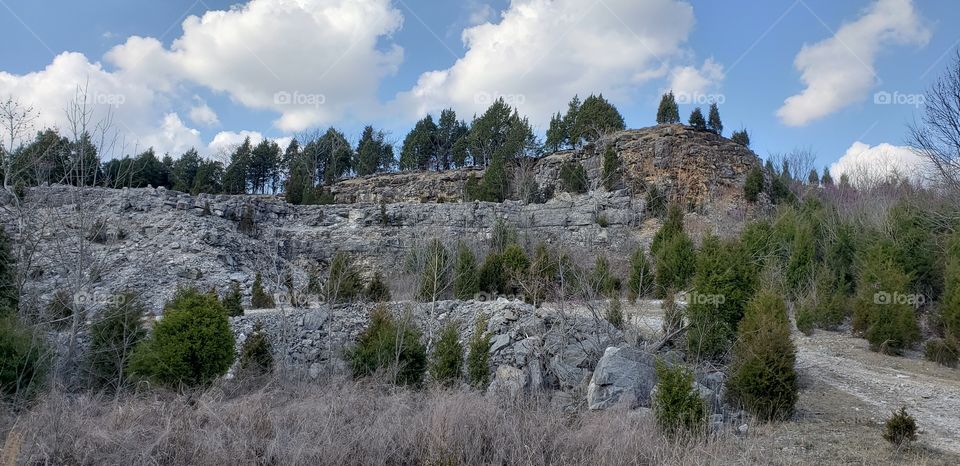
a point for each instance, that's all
(542, 52)
(840, 70)
(202, 114)
(479, 12)
(864, 164)
(691, 84)
(226, 141)
(328, 56)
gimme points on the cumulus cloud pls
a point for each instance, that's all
(840, 70)
(542, 52)
(313, 62)
(479, 12)
(864, 164)
(225, 142)
(696, 85)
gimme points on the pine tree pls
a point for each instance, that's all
(741, 137)
(450, 132)
(235, 177)
(611, 169)
(754, 184)
(256, 354)
(813, 179)
(668, 112)
(697, 121)
(826, 180)
(595, 118)
(556, 134)
(466, 279)
(478, 358)
(259, 298)
(419, 146)
(233, 301)
(571, 121)
(446, 363)
(713, 120)
(9, 293)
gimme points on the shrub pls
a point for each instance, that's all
(724, 282)
(434, 278)
(573, 177)
(672, 226)
(233, 301)
(900, 428)
(377, 290)
(466, 278)
(950, 305)
(191, 345)
(478, 359)
(602, 281)
(655, 202)
(640, 284)
(387, 344)
(9, 294)
(259, 298)
(802, 260)
(839, 257)
(344, 283)
(677, 407)
(697, 121)
(942, 352)
(493, 276)
(675, 264)
(615, 313)
(516, 265)
(60, 309)
(256, 354)
(611, 169)
(912, 233)
(762, 374)
(501, 236)
(880, 310)
(113, 337)
(446, 363)
(753, 186)
(741, 137)
(23, 360)
(756, 239)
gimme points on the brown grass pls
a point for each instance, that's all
(341, 422)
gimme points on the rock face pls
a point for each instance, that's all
(623, 375)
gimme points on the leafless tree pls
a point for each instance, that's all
(16, 123)
(937, 136)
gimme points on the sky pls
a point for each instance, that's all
(840, 78)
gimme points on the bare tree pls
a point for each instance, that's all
(937, 136)
(16, 122)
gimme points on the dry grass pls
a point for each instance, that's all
(341, 422)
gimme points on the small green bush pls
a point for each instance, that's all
(466, 278)
(493, 276)
(344, 283)
(573, 177)
(676, 264)
(950, 305)
(233, 300)
(113, 337)
(478, 359)
(655, 202)
(615, 313)
(377, 290)
(881, 311)
(516, 266)
(900, 428)
(762, 375)
(602, 281)
(256, 354)
(754, 184)
(259, 298)
(389, 345)
(672, 227)
(446, 363)
(677, 407)
(641, 283)
(191, 345)
(24, 361)
(941, 351)
(611, 169)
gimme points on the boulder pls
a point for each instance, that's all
(623, 375)
(509, 384)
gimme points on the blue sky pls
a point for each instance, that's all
(205, 73)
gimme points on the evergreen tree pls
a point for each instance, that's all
(556, 134)
(209, 178)
(763, 375)
(611, 169)
(697, 121)
(447, 360)
(571, 121)
(389, 344)
(713, 120)
(466, 279)
(83, 166)
(478, 358)
(754, 184)
(9, 291)
(235, 176)
(640, 284)
(813, 179)
(374, 154)
(668, 112)
(573, 177)
(332, 156)
(264, 165)
(344, 283)
(190, 347)
(377, 291)
(826, 180)
(259, 298)
(233, 300)
(256, 354)
(435, 275)
(741, 137)
(419, 147)
(185, 171)
(113, 336)
(950, 306)
(450, 132)
(595, 118)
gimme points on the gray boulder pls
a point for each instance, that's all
(623, 375)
